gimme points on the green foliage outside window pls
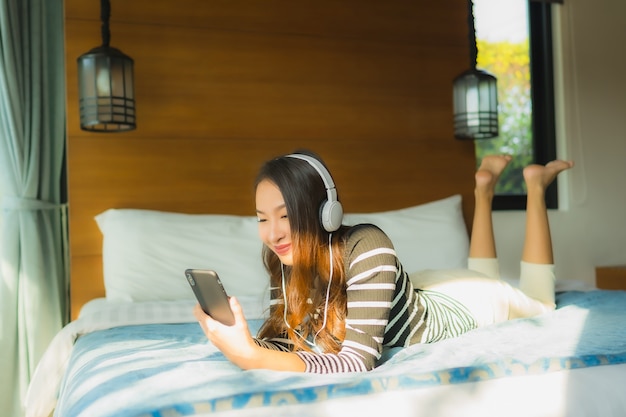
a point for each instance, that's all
(510, 64)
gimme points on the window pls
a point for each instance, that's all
(514, 40)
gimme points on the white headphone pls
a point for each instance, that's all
(331, 211)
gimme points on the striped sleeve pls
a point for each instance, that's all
(282, 344)
(371, 273)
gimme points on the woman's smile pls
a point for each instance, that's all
(282, 250)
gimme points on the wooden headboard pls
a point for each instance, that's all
(222, 86)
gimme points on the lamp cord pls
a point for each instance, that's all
(472, 34)
(105, 13)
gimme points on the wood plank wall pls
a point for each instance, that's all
(223, 85)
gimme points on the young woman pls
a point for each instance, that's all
(340, 294)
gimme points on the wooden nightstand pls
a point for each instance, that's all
(611, 277)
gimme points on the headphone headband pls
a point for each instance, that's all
(331, 211)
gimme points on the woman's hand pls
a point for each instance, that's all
(234, 341)
(239, 347)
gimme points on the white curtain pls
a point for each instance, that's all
(33, 241)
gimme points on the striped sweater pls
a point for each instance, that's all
(384, 310)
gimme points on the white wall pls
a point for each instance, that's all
(589, 229)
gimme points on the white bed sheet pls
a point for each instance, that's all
(589, 391)
(586, 392)
(100, 314)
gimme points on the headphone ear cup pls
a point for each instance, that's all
(331, 211)
(331, 215)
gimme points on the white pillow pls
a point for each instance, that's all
(146, 252)
(427, 236)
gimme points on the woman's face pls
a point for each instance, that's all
(274, 228)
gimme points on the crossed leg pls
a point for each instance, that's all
(482, 242)
(491, 300)
(538, 242)
(536, 288)
(537, 264)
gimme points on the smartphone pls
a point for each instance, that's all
(210, 293)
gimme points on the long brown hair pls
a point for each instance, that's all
(304, 193)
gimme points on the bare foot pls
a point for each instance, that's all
(542, 176)
(489, 171)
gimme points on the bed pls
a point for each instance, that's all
(137, 351)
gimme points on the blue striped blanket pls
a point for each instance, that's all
(161, 370)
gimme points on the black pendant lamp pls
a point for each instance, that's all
(105, 85)
(475, 96)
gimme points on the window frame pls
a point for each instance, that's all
(543, 101)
